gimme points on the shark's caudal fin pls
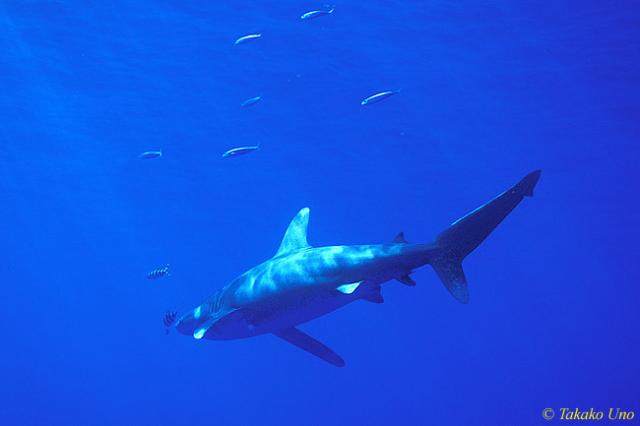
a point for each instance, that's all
(466, 233)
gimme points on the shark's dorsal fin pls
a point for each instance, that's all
(399, 239)
(296, 236)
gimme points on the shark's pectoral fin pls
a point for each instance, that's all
(407, 280)
(311, 345)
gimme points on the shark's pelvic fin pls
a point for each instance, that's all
(311, 345)
(296, 236)
(348, 288)
(407, 280)
(399, 239)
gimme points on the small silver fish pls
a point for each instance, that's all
(317, 13)
(378, 97)
(158, 273)
(247, 38)
(150, 154)
(241, 150)
(251, 101)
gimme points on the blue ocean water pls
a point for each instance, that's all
(488, 92)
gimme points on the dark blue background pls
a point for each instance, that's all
(490, 91)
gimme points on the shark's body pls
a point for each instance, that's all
(301, 282)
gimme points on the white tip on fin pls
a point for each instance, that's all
(348, 288)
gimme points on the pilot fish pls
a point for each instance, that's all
(158, 273)
(168, 320)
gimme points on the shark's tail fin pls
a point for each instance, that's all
(466, 233)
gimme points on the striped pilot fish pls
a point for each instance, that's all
(159, 273)
(168, 320)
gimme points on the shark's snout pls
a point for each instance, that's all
(186, 324)
(191, 321)
(198, 322)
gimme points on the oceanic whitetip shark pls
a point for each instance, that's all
(301, 283)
